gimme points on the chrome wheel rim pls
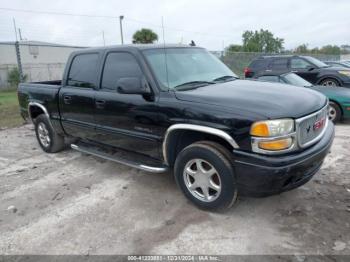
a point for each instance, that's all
(332, 113)
(202, 180)
(329, 83)
(43, 134)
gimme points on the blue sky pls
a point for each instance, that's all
(211, 24)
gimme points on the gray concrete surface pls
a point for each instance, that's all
(70, 203)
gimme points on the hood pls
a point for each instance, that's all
(336, 68)
(343, 92)
(271, 100)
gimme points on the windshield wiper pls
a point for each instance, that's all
(192, 85)
(225, 78)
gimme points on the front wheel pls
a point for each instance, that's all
(329, 82)
(334, 112)
(205, 175)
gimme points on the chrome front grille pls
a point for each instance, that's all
(311, 128)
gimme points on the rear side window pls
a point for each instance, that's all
(269, 78)
(279, 64)
(119, 65)
(82, 72)
(259, 64)
(298, 63)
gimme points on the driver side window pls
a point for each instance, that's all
(119, 65)
(298, 63)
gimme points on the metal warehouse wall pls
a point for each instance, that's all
(39, 62)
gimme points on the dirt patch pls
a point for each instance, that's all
(71, 203)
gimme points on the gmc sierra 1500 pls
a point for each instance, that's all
(176, 107)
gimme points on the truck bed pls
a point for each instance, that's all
(45, 93)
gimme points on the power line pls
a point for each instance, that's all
(54, 13)
(111, 17)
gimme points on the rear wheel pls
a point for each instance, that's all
(329, 82)
(205, 175)
(47, 137)
(334, 112)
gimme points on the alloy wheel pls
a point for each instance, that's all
(332, 113)
(202, 180)
(43, 135)
(329, 83)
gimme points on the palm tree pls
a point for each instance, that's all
(144, 36)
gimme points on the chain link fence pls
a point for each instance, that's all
(236, 61)
(33, 72)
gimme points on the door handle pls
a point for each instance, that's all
(294, 71)
(100, 103)
(67, 99)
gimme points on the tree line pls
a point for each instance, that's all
(262, 41)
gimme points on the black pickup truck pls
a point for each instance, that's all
(179, 108)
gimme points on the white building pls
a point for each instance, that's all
(40, 61)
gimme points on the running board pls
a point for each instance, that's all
(99, 153)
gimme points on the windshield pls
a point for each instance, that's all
(316, 62)
(296, 80)
(178, 66)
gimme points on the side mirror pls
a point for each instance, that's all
(310, 68)
(133, 85)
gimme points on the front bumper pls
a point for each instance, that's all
(258, 175)
(346, 109)
(346, 84)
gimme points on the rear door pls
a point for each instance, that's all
(77, 96)
(304, 69)
(128, 121)
(278, 65)
(256, 67)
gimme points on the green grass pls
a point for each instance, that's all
(9, 109)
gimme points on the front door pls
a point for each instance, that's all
(304, 69)
(127, 121)
(77, 96)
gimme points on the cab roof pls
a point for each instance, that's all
(135, 47)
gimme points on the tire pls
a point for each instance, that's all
(334, 112)
(329, 82)
(47, 137)
(217, 191)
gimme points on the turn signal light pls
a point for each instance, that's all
(276, 145)
(260, 129)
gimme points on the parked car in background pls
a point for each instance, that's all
(339, 98)
(307, 67)
(338, 63)
(221, 136)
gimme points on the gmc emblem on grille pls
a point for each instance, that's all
(319, 124)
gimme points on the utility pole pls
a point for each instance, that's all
(20, 34)
(14, 25)
(18, 54)
(121, 28)
(223, 48)
(103, 37)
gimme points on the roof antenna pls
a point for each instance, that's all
(192, 43)
(165, 55)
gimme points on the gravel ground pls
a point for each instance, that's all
(71, 203)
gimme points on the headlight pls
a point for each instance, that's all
(272, 128)
(347, 73)
(272, 136)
